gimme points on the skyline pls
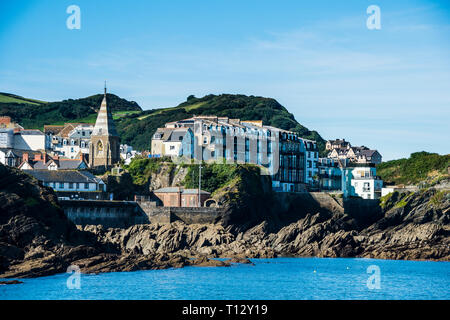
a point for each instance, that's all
(387, 89)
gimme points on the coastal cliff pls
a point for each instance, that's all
(416, 230)
(36, 239)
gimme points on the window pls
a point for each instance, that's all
(86, 185)
(172, 147)
(366, 187)
(99, 148)
(61, 185)
(70, 185)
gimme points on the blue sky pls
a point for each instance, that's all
(388, 89)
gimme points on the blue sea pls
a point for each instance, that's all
(273, 279)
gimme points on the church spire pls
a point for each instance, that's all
(104, 126)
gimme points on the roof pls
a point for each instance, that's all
(63, 164)
(180, 189)
(194, 191)
(34, 132)
(63, 176)
(104, 125)
(53, 129)
(68, 128)
(19, 153)
(165, 132)
(367, 153)
(177, 134)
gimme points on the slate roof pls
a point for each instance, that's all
(19, 153)
(367, 153)
(177, 135)
(33, 132)
(63, 176)
(69, 164)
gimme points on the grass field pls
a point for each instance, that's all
(10, 98)
(187, 108)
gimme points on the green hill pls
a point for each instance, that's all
(136, 127)
(419, 167)
(137, 130)
(34, 114)
(12, 98)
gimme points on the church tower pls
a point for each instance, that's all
(104, 150)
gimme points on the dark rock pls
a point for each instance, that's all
(11, 282)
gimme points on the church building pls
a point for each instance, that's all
(104, 150)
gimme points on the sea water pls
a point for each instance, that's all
(280, 278)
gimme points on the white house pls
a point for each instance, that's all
(127, 153)
(29, 140)
(69, 140)
(69, 180)
(361, 181)
(22, 139)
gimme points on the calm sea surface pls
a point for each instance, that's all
(281, 278)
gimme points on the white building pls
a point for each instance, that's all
(361, 180)
(168, 141)
(71, 181)
(29, 140)
(127, 153)
(69, 140)
(280, 153)
(22, 139)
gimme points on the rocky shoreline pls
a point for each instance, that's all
(36, 239)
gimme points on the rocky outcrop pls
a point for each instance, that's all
(36, 239)
(418, 229)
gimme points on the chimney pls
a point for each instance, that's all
(37, 157)
(25, 157)
(81, 156)
(45, 157)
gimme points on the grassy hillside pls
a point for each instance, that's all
(12, 98)
(34, 114)
(138, 129)
(420, 166)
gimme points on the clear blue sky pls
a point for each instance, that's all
(388, 89)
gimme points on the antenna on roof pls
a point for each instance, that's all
(105, 88)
